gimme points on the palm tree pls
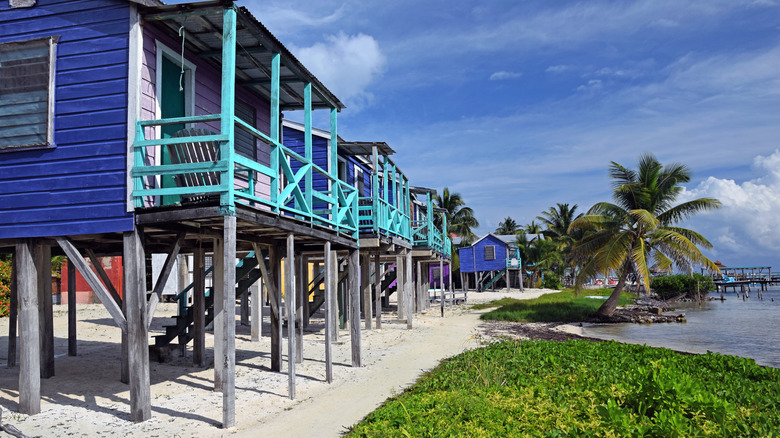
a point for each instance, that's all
(533, 228)
(557, 221)
(460, 219)
(639, 226)
(507, 226)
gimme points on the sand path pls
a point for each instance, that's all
(85, 398)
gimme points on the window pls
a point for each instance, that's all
(490, 252)
(27, 93)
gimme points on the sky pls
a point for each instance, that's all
(519, 105)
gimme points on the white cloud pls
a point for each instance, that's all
(746, 230)
(347, 65)
(503, 75)
(557, 68)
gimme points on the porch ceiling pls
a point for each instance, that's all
(357, 148)
(202, 23)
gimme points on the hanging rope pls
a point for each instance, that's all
(182, 33)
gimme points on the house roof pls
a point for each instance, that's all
(255, 46)
(356, 148)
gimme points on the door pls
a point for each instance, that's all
(172, 104)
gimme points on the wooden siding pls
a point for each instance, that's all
(472, 258)
(207, 97)
(77, 187)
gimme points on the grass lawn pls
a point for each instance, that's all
(555, 307)
(583, 389)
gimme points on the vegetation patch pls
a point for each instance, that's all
(562, 306)
(670, 286)
(583, 389)
(5, 288)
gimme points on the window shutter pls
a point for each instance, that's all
(490, 252)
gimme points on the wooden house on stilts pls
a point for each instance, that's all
(157, 129)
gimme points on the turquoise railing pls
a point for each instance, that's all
(427, 234)
(381, 217)
(336, 208)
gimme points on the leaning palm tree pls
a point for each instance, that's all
(507, 226)
(460, 219)
(640, 226)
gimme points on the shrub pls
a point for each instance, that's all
(5, 288)
(552, 281)
(672, 285)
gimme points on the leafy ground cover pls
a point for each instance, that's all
(583, 389)
(561, 306)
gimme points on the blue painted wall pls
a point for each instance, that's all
(77, 187)
(472, 258)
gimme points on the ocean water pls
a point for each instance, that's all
(749, 328)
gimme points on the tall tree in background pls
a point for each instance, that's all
(507, 226)
(557, 221)
(533, 228)
(460, 219)
(640, 226)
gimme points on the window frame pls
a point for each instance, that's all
(52, 42)
(492, 254)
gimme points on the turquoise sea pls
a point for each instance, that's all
(749, 328)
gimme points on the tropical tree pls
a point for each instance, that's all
(507, 226)
(640, 226)
(557, 221)
(533, 228)
(460, 219)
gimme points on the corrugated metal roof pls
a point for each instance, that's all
(202, 23)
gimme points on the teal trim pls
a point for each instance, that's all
(309, 186)
(334, 159)
(276, 61)
(228, 104)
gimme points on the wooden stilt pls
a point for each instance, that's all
(331, 277)
(275, 292)
(45, 311)
(137, 326)
(256, 317)
(124, 353)
(30, 358)
(244, 307)
(228, 340)
(378, 289)
(419, 289)
(449, 285)
(365, 286)
(441, 285)
(299, 294)
(408, 289)
(199, 307)
(289, 298)
(13, 313)
(72, 349)
(306, 291)
(400, 285)
(353, 287)
(218, 283)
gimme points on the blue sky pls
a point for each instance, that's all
(519, 105)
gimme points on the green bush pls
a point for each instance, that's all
(552, 281)
(5, 288)
(673, 285)
(584, 389)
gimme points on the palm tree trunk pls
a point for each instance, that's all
(608, 308)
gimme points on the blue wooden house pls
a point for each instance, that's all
(492, 258)
(133, 127)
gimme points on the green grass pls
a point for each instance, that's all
(555, 307)
(583, 389)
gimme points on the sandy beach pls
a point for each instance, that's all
(85, 397)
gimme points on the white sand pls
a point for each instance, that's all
(86, 398)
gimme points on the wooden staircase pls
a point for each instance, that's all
(182, 329)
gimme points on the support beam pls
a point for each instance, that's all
(365, 286)
(269, 276)
(162, 279)
(256, 316)
(300, 293)
(229, 330)
(420, 295)
(45, 311)
(400, 282)
(103, 276)
(305, 279)
(353, 288)
(378, 288)
(409, 289)
(217, 289)
(199, 306)
(72, 350)
(289, 298)
(93, 281)
(137, 329)
(13, 313)
(441, 285)
(331, 277)
(30, 358)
